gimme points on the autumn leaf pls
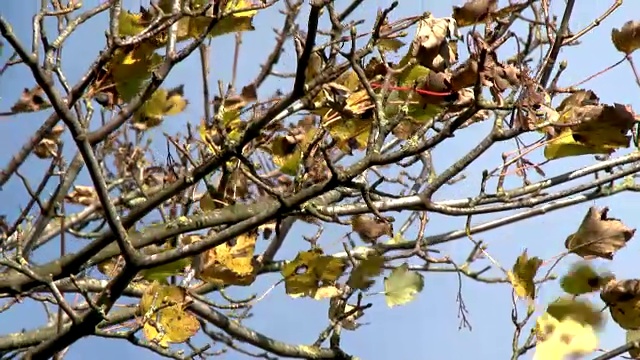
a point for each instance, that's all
(370, 229)
(627, 39)
(583, 279)
(82, 195)
(633, 335)
(337, 311)
(162, 272)
(326, 292)
(362, 274)
(31, 100)
(598, 235)
(386, 45)
(397, 239)
(164, 316)
(402, 285)
(623, 300)
(522, 275)
(432, 46)
(48, 146)
(474, 11)
(560, 339)
(309, 271)
(579, 310)
(162, 102)
(231, 263)
(234, 19)
(591, 129)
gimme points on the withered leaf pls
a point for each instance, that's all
(48, 146)
(578, 98)
(627, 39)
(598, 235)
(431, 45)
(31, 100)
(370, 229)
(474, 11)
(623, 299)
(83, 195)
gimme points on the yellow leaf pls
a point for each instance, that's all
(366, 269)
(565, 144)
(130, 69)
(161, 103)
(563, 338)
(579, 310)
(230, 264)
(163, 312)
(326, 292)
(310, 270)
(522, 275)
(234, 22)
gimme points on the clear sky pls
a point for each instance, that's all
(425, 328)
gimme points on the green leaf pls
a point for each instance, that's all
(162, 272)
(583, 279)
(402, 285)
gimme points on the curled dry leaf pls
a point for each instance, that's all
(31, 100)
(370, 229)
(627, 39)
(431, 45)
(598, 235)
(48, 146)
(82, 195)
(474, 11)
(623, 299)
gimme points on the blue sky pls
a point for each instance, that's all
(427, 327)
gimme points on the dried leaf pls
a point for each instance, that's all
(474, 11)
(31, 100)
(598, 235)
(82, 195)
(431, 45)
(627, 39)
(623, 299)
(370, 229)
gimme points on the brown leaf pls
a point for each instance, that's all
(370, 229)
(83, 195)
(474, 11)
(48, 146)
(431, 45)
(598, 236)
(623, 300)
(31, 100)
(578, 98)
(627, 39)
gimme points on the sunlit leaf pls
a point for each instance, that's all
(522, 275)
(165, 318)
(362, 275)
(309, 271)
(230, 264)
(579, 310)
(402, 285)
